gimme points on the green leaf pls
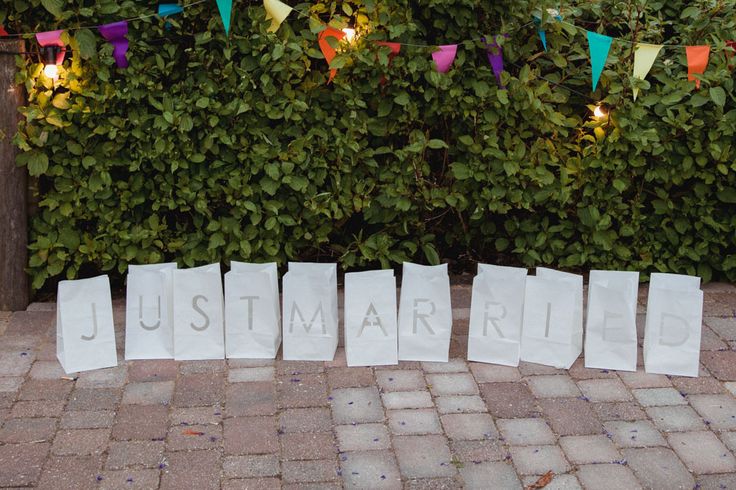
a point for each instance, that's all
(55, 7)
(436, 144)
(38, 163)
(87, 43)
(718, 95)
(431, 254)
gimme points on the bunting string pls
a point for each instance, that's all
(443, 55)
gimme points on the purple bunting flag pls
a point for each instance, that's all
(115, 34)
(495, 57)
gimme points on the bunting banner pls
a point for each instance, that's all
(226, 8)
(327, 50)
(697, 60)
(3, 32)
(644, 56)
(599, 46)
(52, 38)
(276, 11)
(167, 9)
(495, 57)
(537, 18)
(444, 57)
(395, 50)
(115, 34)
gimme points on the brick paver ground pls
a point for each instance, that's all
(262, 424)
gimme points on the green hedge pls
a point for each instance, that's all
(208, 149)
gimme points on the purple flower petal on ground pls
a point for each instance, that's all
(99, 478)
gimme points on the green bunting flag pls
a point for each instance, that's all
(599, 46)
(225, 7)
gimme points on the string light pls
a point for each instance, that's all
(599, 112)
(53, 56)
(349, 34)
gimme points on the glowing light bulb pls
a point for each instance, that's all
(599, 113)
(349, 34)
(51, 71)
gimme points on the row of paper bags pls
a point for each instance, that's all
(183, 314)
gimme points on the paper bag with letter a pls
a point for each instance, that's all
(371, 336)
(199, 330)
(252, 311)
(496, 310)
(310, 312)
(425, 313)
(552, 332)
(673, 327)
(85, 333)
(610, 329)
(149, 312)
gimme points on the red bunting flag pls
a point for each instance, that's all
(697, 60)
(395, 50)
(328, 51)
(3, 32)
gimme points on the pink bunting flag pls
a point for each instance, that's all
(52, 38)
(115, 34)
(444, 57)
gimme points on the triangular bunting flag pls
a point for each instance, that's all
(495, 57)
(541, 32)
(276, 11)
(225, 7)
(697, 60)
(327, 50)
(644, 56)
(166, 9)
(395, 50)
(537, 18)
(599, 46)
(115, 34)
(444, 57)
(3, 32)
(50, 38)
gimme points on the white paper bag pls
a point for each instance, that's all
(252, 311)
(425, 313)
(496, 310)
(371, 335)
(149, 311)
(310, 318)
(85, 332)
(552, 332)
(199, 331)
(610, 329)
(673, 326)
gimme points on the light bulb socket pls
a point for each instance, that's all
(52, 55)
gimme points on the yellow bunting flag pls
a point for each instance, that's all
(644, 57)
(276, 11)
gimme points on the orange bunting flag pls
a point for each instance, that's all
(327, 50)
(697, 60)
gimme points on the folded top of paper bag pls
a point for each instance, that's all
(151, 267)
(313, 269)
(428, 270)
(502, 270)
(677, 282)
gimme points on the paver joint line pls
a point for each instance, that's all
(278, 424)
